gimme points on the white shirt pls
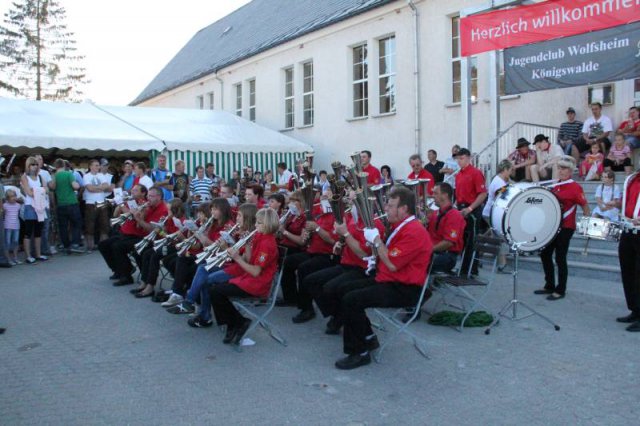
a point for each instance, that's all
(97, 179)
(591, 124)
(46, 178)
(146, 181)
(495, 185)
(607, 194)
(284, 178)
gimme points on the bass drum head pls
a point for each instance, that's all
(533, 215)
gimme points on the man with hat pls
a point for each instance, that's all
(570, 132)
(547, 156)
(471, 193)
(522, 159)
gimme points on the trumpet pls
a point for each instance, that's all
(284, 217)
(184, 246)
(120, 220)
(163, 242)
(223, 257)
(213, 249)
(151, 236)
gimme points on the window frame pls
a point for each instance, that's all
(200, 101)
(252, 99)
(238, 99)
(456, 60)
(390, 75)
(289, 98)
(308, 98)
(362, 82)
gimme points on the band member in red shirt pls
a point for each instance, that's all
(570, 195)
(114, 250)
(374, 173)
(254, 195)
(446, 229)
(403, 262)
(471, 193)
(290, 236)
(629, 251)
(419, 172)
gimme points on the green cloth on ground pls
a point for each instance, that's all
(64, 191)
(450, 318)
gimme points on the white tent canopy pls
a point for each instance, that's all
(86, 126)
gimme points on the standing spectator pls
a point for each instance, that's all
(234, 182)
(284, 177)
(161, 177)
(179, 182)
(374, 173)
(140, 175)
(106, 171)
(385, 174)
(608, 198)
(5, 260)
(199, 189)
(547, 157)
(33, 187)
(434, 166)
(210, 172)
(596, 129)
(522, 159)
(450, 167)
(45, 246)
(631, 128)
(268, 179)
(96, 187)
(570, 133)
(67, 210)
(619, 157)
(126, 181)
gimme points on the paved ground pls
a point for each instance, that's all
(79, 351)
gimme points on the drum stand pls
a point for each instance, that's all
(513, 303)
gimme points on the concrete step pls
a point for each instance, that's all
(577, 268)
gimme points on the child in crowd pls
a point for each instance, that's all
(11, 226)
(608, 198)
(619, 157)
(592, 165)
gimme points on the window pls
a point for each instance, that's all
(252, 100)
(387, 74)
(238, 88)
(360, 82)
(307, 93)
(210, 96)
(200, 102)
(456, 65)
(289, 114)
(602, 94)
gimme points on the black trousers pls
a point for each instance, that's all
(114, 251)
(170, 261)
(368, 293)
(328, 285)
(316, 262)
(474, 222)
(185, 270)
(150, 265)
(288, 284)
(223, 309)
(629, 254)
(559, 245)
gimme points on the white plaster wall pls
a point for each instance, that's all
(391, 138)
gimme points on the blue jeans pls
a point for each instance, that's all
(11, 238)
(202, 281)
(45, 247)
(633, 142)
(3, 257)
(69, 215)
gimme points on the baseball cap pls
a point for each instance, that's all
(570, 109)
(463, 151)
(104, 162)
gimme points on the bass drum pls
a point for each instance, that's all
(526, 212)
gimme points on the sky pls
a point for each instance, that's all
(128, 42)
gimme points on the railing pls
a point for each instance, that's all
(487, 158)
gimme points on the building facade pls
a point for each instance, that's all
(351, 85)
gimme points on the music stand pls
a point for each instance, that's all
(514, 302)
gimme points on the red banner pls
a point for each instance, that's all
(542, 21)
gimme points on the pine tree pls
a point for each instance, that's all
(38, 55)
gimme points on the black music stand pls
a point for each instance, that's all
(514, 302)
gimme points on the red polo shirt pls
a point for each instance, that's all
(469, 184)
(151, 214)
(374, 175)
(170, 227)
(631, 196)
(410, 252)
(571, 196)
(294, 225)
(261, 203)
(264, 253)
(215, 229)
(448, 225)
(356, 230)
(424, 174)
(317, 245)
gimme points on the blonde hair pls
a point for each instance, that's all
(269, 219)
(567, 162)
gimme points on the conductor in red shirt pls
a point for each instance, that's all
(374, 174)
(446, 229)
(629, 251)
(471, 193)
(403, 261)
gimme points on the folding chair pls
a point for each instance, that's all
(398, 319)
(164, 275)
(134, 263)
(486, 248)
(248, 306)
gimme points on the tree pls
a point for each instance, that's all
(38, 55)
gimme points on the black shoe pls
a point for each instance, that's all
(240, 332)
(142, 294)
(304, 316)
(373, 343)
(160, 297)
(198, 322)
(555, 296)
(229, 335)
(353, 361)
(634, 327)
(5, 265)
(333, 327)
(282, 303)
(115, 276)
(123, 281)
(632, 317)
(543, 291)
(135, 291)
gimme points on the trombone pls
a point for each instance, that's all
(223, 257)
(151, 236)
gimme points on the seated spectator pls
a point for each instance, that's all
(608, 198)
(522, 159)
(631, 128)
(592, 165)
(547, 157)
(596, 129)
(619, 158)
(385, 174)
(570, 132)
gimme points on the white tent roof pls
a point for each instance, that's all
(86, 126)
